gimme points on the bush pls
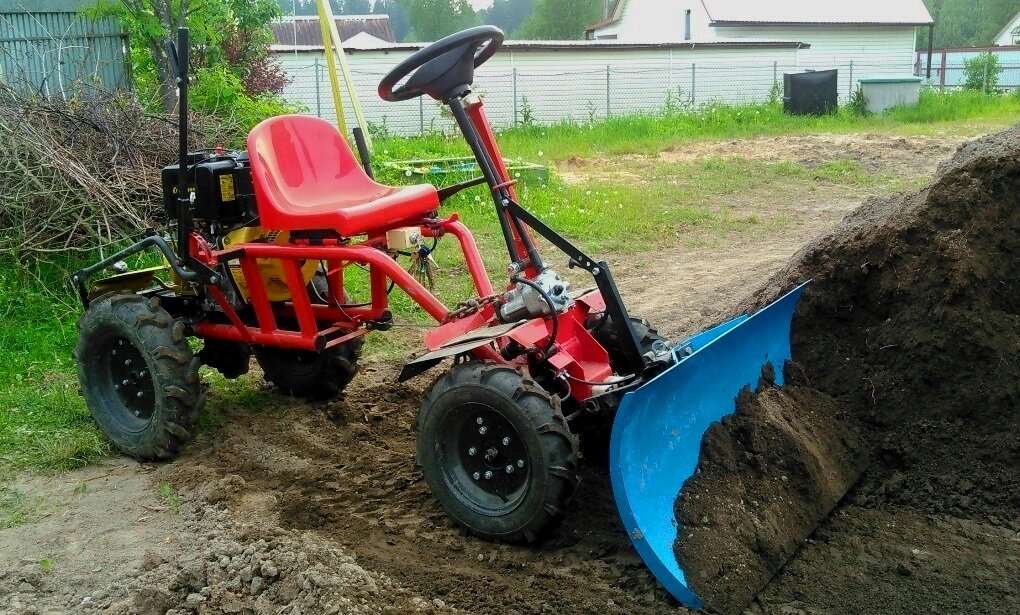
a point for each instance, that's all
(982, 72)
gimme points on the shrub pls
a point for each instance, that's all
(982, 72)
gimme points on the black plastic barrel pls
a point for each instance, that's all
(810, 93)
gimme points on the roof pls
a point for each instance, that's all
(304, 31)
(857, 12)
(562, 45)
(614, 16)
(1008, 28)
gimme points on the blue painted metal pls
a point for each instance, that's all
(658, 428)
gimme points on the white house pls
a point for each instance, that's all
(1010, 35)
(879, 36)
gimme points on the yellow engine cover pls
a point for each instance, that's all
(270, 269)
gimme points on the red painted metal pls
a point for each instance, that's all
(306, 177)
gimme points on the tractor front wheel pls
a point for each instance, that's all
(138, 375)
(496, 452)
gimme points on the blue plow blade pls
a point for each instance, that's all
(658, 428)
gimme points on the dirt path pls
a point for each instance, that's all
(288, 507)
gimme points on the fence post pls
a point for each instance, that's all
(693, 82)
(421, 115)
(607, 92)
(514, 81)
(775, 73)
(851, 84)
(318, 101)
(984, 82)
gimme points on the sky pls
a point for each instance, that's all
(480, 4)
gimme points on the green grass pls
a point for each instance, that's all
(170, 497)
(44, 424)
(16, 508)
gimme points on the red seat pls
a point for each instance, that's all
(306, 178)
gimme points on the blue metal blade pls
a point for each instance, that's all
(658, 428)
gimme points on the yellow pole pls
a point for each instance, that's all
(338, 47)
(325, 21)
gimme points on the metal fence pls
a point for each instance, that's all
(519, 96)
(53, 53)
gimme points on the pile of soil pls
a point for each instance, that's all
(909, 339)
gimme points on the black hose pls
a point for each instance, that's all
(552, 308)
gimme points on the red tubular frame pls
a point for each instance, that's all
(576, 359)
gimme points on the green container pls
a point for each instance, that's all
(445, 171)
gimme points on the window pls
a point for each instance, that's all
(687, 25)
(1015, 33)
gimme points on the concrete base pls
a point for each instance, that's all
(886, 92)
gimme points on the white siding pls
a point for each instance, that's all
(557, 84)
(659, 21)
(1006, 37)
(875, 51)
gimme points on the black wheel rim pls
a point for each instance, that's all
(485, 460)
(128, 382)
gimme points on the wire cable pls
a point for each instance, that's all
(552, 308)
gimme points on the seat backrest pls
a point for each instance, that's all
(301, 161)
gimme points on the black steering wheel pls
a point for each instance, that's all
(444, 68)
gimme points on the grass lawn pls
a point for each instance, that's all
(44, 424)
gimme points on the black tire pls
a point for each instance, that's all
(307, 374)
(138, 375)
(482, 417)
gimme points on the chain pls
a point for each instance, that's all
(470, 306)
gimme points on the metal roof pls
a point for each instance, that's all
(853, 12)
(562, 45)
(304, 31)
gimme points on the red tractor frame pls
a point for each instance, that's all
(494, 441)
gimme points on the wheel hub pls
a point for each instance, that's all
(131, 379)
(490, 453)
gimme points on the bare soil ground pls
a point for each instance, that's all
(288, 507)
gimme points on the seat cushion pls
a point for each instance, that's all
(307, 178)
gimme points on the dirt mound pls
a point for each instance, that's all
(768, 474)
(912, 325)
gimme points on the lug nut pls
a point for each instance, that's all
(479, 420)
(482, 430)
(113, 352)
(127, 362)
(506, 441)
(139, 395)
(488, 474)
(520, 463)
(143, 374)
(472, 451)
(476, 475)
(116, 387)
(509, 469)
(124, 382)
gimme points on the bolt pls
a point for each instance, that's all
(125, 382)
(476, 475)
(506, 441)
(143, 374)
(472, 451)
(482, 430)
(595, 271)
(509, 469)
(116, 387)
(520, 463)
(127, 362)
(139, 395)
(113, 352)
(488, 474)
(138, 414)
(479, 420)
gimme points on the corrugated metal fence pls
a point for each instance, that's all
(52, 49)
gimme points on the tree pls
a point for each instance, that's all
(508, 15)
(982, 72)
(399, 21)
(231, 35)
(433, 19)
(356, 7)
(306, 8)
(967, 23)
(560, 19)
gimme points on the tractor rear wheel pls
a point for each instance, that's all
(138, 375)
(308, 374)
(496, 452)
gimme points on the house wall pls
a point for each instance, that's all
(548, 86)
(1006, 37)
(874, 50)
(659, 21)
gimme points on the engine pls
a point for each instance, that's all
(223, 193)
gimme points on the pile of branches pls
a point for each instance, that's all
(82, 173)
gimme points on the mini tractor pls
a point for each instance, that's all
(258, 247)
